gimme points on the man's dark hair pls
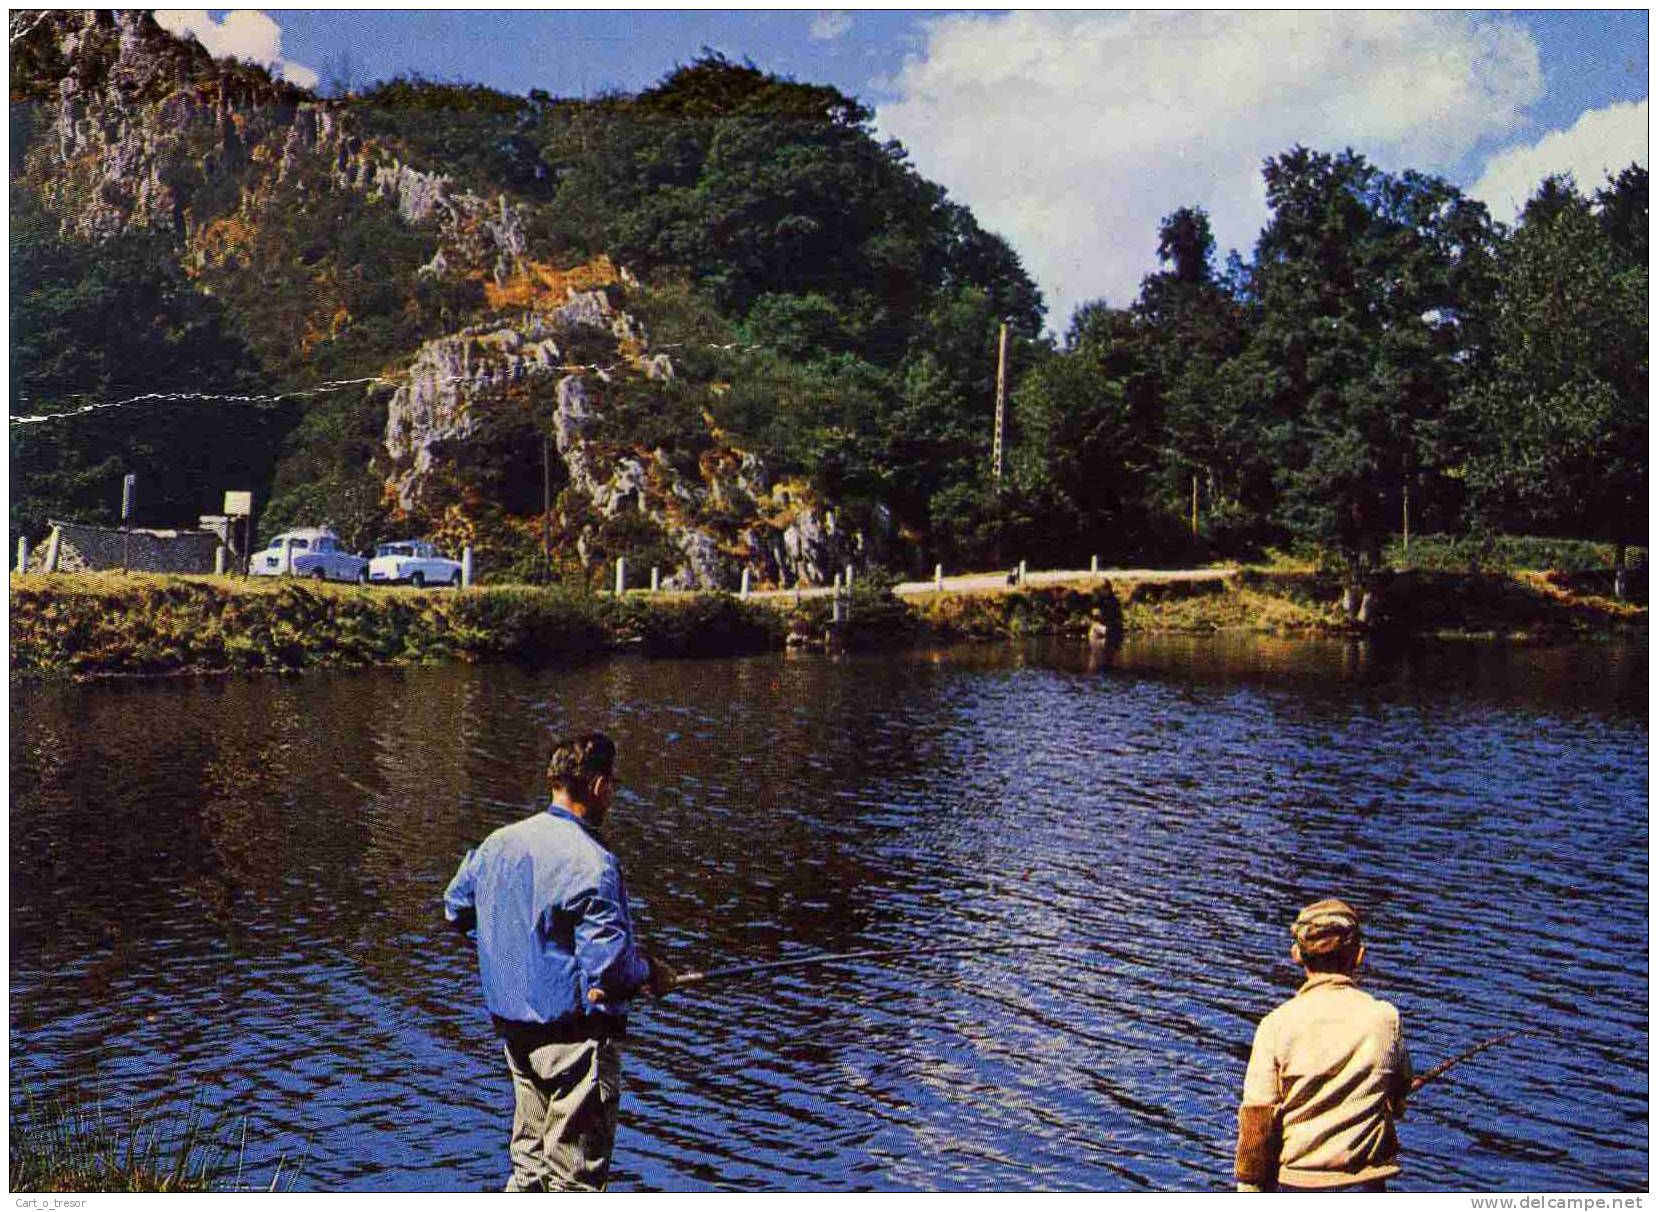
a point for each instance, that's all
(578, 760)
(1340, 959)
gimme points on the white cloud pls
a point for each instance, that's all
(826, 27)
(1601, 141)
(1073, 133)
(244, 34)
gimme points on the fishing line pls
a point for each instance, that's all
(685, 979)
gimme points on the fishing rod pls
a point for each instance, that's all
(811, 961)
(1445, 1066)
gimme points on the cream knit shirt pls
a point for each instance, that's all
(1333, 1060)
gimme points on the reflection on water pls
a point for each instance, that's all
(235, 885)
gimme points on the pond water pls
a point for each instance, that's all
(229, 890)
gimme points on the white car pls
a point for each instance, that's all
(313, 552)
(415, 562)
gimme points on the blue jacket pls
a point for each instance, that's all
(552, 923)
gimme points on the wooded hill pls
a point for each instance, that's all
(829, 320)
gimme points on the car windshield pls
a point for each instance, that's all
(299, 544)
(395, 549)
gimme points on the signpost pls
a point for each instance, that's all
(129, 497)
(240, 505)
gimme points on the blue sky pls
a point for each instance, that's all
(1070, 133)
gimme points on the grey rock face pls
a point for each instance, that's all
(454, 382)
(144, 144)
(449, 380)
(812, 553)
(626, 489)
(705, 567)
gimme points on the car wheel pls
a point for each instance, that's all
(456, 579)
(417, 580)
(319, 574)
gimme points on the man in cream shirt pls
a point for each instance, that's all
(1328, 1074)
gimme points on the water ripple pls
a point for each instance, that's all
(233, 886)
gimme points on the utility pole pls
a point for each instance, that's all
(1407, 516)
(1001, 405)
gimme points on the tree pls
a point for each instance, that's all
(1209, 433)
(470, 132)
(94, 327)
(1621, 206)
(1555, 437)
(1370, 289)
(1084, 461)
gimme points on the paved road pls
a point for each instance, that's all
(996, 582)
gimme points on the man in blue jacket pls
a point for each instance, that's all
(559, 961)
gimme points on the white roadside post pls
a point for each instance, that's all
(656, 580)
(1021, 572)
(1094, 565)
(52, 549)
(849, 578)
(744, 591)
(22, 553)
(839, 612)
(938, 578)
(466, 567)
(621, 575)
(219, 560)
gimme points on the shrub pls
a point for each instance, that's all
(696, 626)
(1465, 553)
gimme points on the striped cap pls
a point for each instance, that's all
(1326, 926)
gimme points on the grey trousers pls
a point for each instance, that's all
(564, 1115)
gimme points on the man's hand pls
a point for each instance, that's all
(663, 978)
(660, 983)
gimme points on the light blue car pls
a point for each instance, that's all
(314, 553)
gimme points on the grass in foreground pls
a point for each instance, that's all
(66, 1145)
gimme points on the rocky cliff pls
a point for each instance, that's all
(508, 380)
(128, 127)
(133, 127)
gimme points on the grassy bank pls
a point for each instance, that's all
(113, 624)
(1274, 606)
(1505, 605)
(1516, 605)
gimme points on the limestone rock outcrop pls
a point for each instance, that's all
(146, 130)
(513, 368)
